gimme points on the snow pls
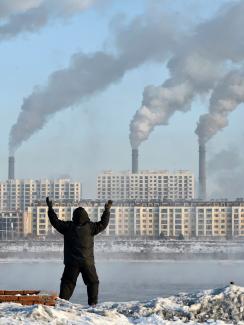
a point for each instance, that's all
(215, 307)
(171, 247)
(131, 247)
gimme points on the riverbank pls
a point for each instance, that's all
(129, 250)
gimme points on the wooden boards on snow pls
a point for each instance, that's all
(28, 297)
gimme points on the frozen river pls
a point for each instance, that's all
(127, 280)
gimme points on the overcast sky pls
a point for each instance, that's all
(91, 134)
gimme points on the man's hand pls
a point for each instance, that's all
(49, 203)
(108, 205)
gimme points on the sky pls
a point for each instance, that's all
(91, 132)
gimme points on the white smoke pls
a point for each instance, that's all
(18, 16)
(176, 94)
(226, 97)
(199, 62)
(152, 113)
(225, 161)
(227, 173)
(14, 7)
(89, 74)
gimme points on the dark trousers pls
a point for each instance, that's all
(90, 278)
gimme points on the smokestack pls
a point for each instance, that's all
(202, 172)
(134, 161)
(11, 162)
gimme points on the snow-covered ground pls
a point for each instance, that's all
(132, 249)
(171, 246)
(217, 306)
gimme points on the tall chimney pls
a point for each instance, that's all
(11, 162)
(202, 192)
(134, 161)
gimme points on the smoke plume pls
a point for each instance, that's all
(152, 112)
(197, 62)
(226, 169)
(226, 160)
(18, 17)
(196, 68)
(88, 74)
(226, 97)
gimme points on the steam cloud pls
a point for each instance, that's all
(226, 168)
(226, 97)
(159, 104)
(226, 160)
(86, 74)
(17, 16)
(199, 65)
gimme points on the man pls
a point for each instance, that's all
(79, 249)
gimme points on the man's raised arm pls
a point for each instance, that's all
(97, 227)
(58, 224)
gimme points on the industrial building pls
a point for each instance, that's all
(146, 185)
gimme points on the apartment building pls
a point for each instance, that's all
(214, 221)
(237, 222)
(126, 219)
(121, 218)
(190, 219)
(19, 194)
(176, 220)
(36, 217)
(11, 226)
(146, 220)
(146, 185)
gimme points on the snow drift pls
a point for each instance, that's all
(217, 306)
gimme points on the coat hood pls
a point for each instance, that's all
(80, 216)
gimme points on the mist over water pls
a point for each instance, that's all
(127, 280)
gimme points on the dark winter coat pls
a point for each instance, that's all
(79, 235)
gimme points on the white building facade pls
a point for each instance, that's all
(146, 185)
(154, 219)
(18, 194)
(11, 226)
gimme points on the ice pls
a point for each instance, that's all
(215, 307)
